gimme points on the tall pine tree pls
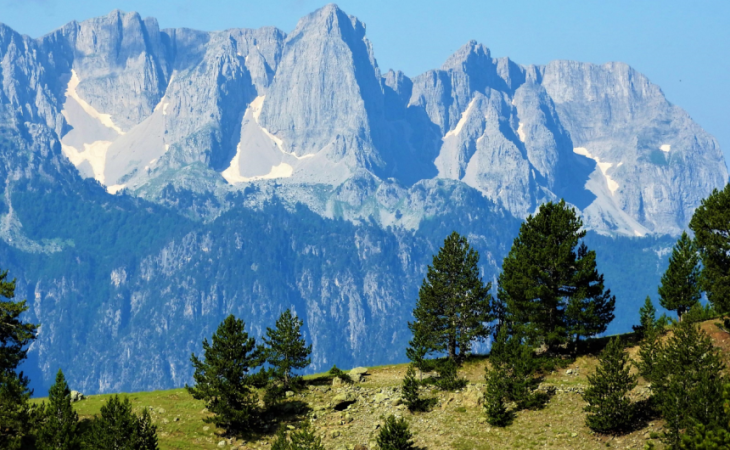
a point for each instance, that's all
(711, 225)
(59, 426)
(549, 287)
(454, 305)
(16, 413)
(609, 407)
(286, 349)
(688, 382)
(680, 285)
(223, 378)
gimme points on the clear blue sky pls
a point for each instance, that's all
(683, 46)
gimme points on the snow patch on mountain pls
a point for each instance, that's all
(259, 154)
(94, 155)
(602, 166)
(521, 132)
(462, 120)
(105, 119)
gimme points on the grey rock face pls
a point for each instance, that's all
(220, 126)
(141, 108)
(120, 53)
(662, 162)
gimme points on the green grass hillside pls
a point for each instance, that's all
(456, 420)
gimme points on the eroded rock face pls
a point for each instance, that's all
(141, 109)
(219, 126)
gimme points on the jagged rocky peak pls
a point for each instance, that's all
(327, 68)
(140, 108)
(653, 163)
(123, 55)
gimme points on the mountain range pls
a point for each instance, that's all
(155, 181)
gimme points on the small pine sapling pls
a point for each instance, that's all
(609, 407)
(649, 351)
(494, 398)
(448, 379)
(680, 285)
(395, 435)
(335, 372)
(647, 318)
(302, 439)
(117, 427)
(688, 382)
(410, 389)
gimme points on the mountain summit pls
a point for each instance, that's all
(156, 180)
(139, 107)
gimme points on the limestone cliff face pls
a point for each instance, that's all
(655, 158)
(154, 181)
(140, 108)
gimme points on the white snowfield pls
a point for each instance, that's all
(105, 119)
(259, 154)
(462, 120)
(94, 154)
(521, 132)
(102, 150)
(603, 166)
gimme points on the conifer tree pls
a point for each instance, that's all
(15, 335)
(453, 306)
(647, 317)
(286, 349)
(410, 388)
(449, 379)
(59, 427)
(549, 287)
(418, 350)
(223, 378)
(609, 407)
(711, 225)
(118, 428)
(701, 437)
(680, 288)
(649, 352)
(494, 397)
(16, 414)
(513, 357)
(395, 435)
(302, 439)
(688, 382)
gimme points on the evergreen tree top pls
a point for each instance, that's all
(14, 333)
(679, 289)
(454, 305)
(549, 285)
(711, 225)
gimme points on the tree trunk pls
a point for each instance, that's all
(452, 349)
